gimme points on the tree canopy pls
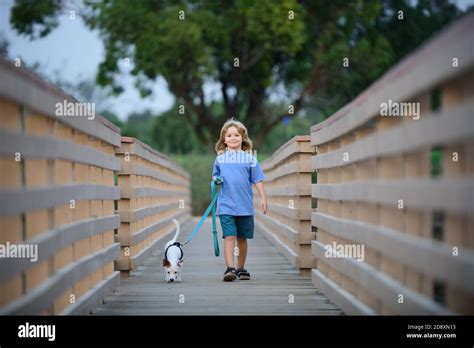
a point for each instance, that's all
(253, 51)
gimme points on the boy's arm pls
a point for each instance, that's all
(263, 197)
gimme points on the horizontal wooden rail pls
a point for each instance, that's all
(142, 150)
(154, 192)
(40, 147)
(57, 195)
(288, 189)
(47, 197)
(58, 198)
(394, 194)
(451, 126)
(343, 298)
(422, 194)
(50, 242)
(430, 257)
(40, 298)
(382, 286)
(429, 66)
(25, 88)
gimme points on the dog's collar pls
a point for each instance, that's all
(178, 244)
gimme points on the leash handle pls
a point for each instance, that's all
(216, 181)
(206, 213)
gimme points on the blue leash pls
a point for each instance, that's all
(212, 206)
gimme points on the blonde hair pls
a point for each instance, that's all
(247, 144)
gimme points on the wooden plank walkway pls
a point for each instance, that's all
(202, 291)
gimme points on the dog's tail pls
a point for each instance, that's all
(177, 230)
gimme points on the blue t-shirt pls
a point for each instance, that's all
(239, 170)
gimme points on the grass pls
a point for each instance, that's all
(200, 168)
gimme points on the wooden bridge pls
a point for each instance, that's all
(84, 212)
(276, 287)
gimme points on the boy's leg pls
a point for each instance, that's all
(245, 227)
(242, 245)
(229, 243)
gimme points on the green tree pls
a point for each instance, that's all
(139, 125)
(172, 134)
(112, 118)
(296, 46)
(413, 24)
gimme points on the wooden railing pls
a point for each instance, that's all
(395, 193)
(57, 197)
(380, 185)
(288, 188)
(154, 191)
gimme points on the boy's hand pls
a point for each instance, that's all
(263, 205)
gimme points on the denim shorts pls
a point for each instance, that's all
(237, 226)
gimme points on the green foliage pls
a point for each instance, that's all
(113, 118)
(167, 132)
(303, 54)
(140, 126)
(436, 162)
(171, 134)
(284, 132)
(27, 16)
(200, 168)
(421, 19)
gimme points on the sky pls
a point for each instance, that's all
(75, 52)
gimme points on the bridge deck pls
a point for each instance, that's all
(268, 293)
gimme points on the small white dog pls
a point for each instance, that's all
(173, 258)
